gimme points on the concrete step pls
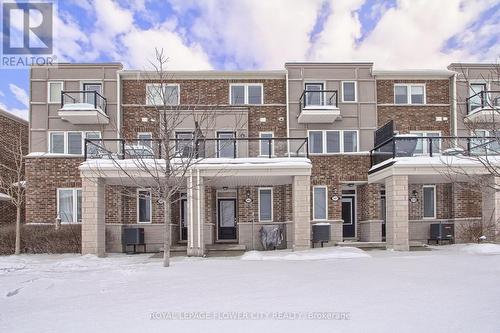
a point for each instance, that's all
(363, 245)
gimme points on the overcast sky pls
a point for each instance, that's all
(263, 34)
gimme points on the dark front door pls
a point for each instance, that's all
(184, 229)
(349, 217)
(384, 216)
(226, 218)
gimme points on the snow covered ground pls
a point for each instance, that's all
(450, 289)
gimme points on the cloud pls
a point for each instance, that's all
(20, 94)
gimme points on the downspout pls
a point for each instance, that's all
(198, 188)
(287, 113)
(190, 207)
(118, 105)
(454, 105)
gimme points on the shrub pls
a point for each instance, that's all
(41, 239)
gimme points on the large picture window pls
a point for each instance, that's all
(72, 143)
(169, 95)
(242, 93)
(409, 94)
(333, 141)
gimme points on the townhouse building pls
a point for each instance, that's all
(313, 144)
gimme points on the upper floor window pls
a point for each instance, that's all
(266, 144)
(91, 88)
(71, 142)
(162, 94)
(476, 100)
(184, 145)
(409, 94)
(226, 148)
(349, 91)
(54, 91)
(240, 93)
(314, 93)
(423, 146)
(331, 142)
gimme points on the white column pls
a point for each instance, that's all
(301, 207)
(491, 208)
(397, 233)
(93, 216)
(196, 215)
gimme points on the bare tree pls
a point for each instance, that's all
(165, 161)
(13, 147)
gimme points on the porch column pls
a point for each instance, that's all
(301, 192)
(196, 215)
(93, 216)
(491, 208)
(396, 192)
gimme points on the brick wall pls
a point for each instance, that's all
(44, 176)
(467, 200)
(412, 117)
(369, 202)
(282, 203)
(444, 205)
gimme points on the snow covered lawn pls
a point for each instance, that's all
(450, 289)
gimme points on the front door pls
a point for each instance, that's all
(384, 215)
(226, 219)
(349, 217)
(184, 229)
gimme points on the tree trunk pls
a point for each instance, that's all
(167, 209)
(18, 230)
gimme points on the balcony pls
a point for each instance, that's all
(83, 107)
(318, 107)
(213, 150)
(483, 107)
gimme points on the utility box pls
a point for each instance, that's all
(440, 232)
(321, 232)
(132, 237)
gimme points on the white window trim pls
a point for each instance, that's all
(245, 86)
(218, 143)
(48, 91)
(323, 83)
(326, 203)
(355, 91)
(75, 203)
(423, 202)
(272, 203)
(147, 102)
(408, 95)
(150, 205)
(341, 138)
(260, 143)
(66, 147)
(424, 146)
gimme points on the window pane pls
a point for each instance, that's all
(429, 202)
(332, 141)
(348, 89)
(57, 143)
(313, 94)
(66, 205)
(265, 205)
(350, 141)
(237, 94)
(91, 98)
(226, 148)
(320, 203)
(74, 143)
(79, 205)
(419, 149)
(144, 206)
(265, 145)
(316, 142)
(436, 144)
(172, 95)
(153, 94)
(401, 94)
(254, 94)
(55, 89)
(476, 102)
(417, 95)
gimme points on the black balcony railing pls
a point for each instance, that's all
(483, 99)
(81, 100)
(320, 98)
(415, 146)
(196, 148)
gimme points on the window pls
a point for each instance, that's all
(348, 91)
(184, 145)
(240, 93)
(169, 95)
(409, 94)
(94, 147)
(72, 142)
(320, 199)
(69, 205)
(429, 201)
(91, 98)
(266, 147)
(481, 145)
(265, 204)
(144, 139)
(54, 92)
(314, 94)
(226, 148)
(331, 142)
(476, 101)
(143, 206)
(423, 147)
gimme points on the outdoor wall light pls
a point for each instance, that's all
(248, 197)
(335, 196)
(413, 197)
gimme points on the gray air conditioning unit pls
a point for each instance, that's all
(321, 233)
(442, 232)
(133, 237)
